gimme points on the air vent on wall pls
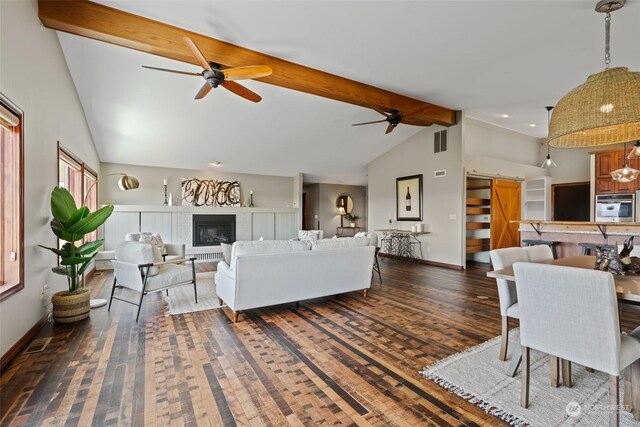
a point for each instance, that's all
(439, 174)
(440, 141)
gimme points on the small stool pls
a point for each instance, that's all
(552, 244)
(587, 248)
(376, 266)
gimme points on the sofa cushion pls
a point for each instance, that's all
(373, 237)
(267, 247)
(343, 242)
(137, 253)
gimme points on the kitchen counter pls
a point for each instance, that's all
(570, 233)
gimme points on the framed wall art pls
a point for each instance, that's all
(409, 198)
(210, 192)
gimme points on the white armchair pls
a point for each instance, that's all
(137, 268)
(171, 250)
(572, 314)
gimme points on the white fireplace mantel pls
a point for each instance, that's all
(175, 224)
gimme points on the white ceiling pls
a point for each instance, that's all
(484, 57)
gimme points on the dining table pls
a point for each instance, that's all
(627, 290)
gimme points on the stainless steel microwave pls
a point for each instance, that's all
(615, 208)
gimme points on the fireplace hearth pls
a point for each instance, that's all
(211, 230)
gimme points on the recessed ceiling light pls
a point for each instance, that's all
(531, 125)
(216, 164)
(506, 116)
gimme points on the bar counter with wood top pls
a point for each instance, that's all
(570, 234)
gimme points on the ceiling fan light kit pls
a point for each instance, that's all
(215, 76)
(604, 110)
(395, 117)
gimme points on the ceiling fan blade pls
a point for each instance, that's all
(251, 72)
(411, 113)
(196, 53)
(242, 91)
(384, 113)
(173, 71)
(390, 128)
(204, 90)
(369, 123)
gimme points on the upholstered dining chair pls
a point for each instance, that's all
(572, 314)
(137, 267)
(539, 253)
(503, 258)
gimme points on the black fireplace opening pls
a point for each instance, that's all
(211, 230)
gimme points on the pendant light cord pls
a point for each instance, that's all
(607, 38)
(549, 108)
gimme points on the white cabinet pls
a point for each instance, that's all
(536, 200)
(118, 225)
(262, 225)
(286, 226)
(157, 222)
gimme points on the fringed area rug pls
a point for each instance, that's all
(181, 300)
(478, 376)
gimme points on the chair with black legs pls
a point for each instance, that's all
(136, 267)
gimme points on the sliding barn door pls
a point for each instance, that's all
(505, 207)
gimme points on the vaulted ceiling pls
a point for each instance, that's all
(484, 57)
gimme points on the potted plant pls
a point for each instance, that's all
(70, 224)
(352, 219)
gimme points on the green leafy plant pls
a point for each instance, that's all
(351, 217)
(71, 224)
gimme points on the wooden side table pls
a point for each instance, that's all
(340, 231)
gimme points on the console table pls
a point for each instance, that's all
(340, 231)
(401, 242)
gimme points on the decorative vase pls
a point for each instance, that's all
(170, 199)
(352, 224)
(69, 307)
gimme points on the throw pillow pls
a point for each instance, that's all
(226, 252)
(361, 234)
(308, 235)
(156, 241)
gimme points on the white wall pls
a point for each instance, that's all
(268, 191)
(34, 75)
(442, 197)
(491, 149)
(483, 139)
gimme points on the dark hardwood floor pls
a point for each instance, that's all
(341, 360)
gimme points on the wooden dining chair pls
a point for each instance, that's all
(572, 315)
(504, 258)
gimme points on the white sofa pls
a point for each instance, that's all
(274, 272)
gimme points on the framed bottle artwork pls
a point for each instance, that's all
(409, 198)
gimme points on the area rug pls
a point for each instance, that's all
(479, 377)
(181, 299)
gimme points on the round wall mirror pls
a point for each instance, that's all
(344, 205)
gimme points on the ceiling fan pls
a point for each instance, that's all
(395, 117)
(216, 76)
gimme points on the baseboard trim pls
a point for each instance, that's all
(424, 261)
(22, 343)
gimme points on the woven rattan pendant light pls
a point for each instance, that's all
(604, 110)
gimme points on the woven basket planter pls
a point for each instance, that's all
(69, 307)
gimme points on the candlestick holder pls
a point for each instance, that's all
(166, 201)
(251, 200)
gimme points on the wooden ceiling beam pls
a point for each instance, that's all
(103, 23)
